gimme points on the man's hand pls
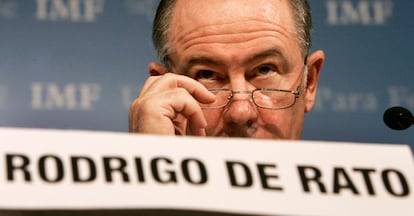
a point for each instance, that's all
(168, 104)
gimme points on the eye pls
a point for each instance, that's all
(264, 70)
(205, 74)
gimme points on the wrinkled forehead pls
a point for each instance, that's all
(195, 14)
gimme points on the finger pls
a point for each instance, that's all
(164, 97)
(147, 118)
(148, 83)
(172, 81)
(180, 101)
(198, 131)
(161, 114)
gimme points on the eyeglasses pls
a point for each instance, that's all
(273, 99)
(266, 98)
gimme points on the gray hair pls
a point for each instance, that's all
(160, 28)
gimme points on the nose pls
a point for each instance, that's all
(243, 96)
(240, 116)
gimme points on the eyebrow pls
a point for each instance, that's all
(265, 54)
(204, 60)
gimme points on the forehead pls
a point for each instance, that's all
(190, 15)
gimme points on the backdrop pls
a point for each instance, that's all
(77, 64)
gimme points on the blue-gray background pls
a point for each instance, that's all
(77, 64)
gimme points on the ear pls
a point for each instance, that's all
(156, 69)
(315, 64)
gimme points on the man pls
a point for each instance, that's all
(236, 68)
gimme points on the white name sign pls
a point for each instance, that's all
(75, 170)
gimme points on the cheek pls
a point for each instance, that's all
(283, 124)
(275, 120)
(297, 118)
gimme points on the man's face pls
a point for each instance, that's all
(241, 45)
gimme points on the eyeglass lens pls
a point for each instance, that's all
(270, 99)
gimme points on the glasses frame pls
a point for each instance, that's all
(296, 93)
